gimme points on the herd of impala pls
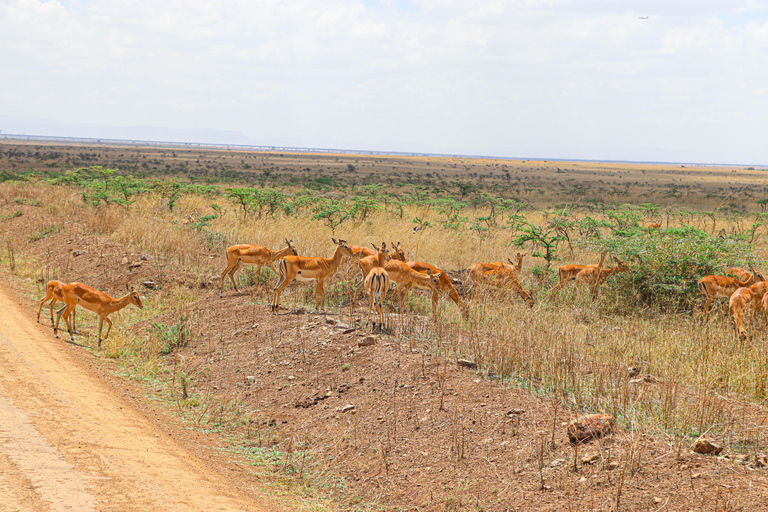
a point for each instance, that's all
(382, 265)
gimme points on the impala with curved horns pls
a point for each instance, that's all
(307, 269)
(377, 285)
(249, 254)
(498, 276)
(78, 294)
(53, 293)
(713, 286)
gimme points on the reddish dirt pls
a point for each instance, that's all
(393, 425)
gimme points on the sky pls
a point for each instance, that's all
(653, 80)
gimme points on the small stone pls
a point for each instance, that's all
(589, 458)
(349, 331)
(346, 408)
(330, 321)
(707, 447)
(340, 325)
(149, 284)
(368, 341)
(590, 427)
(135, 264)
(124, 261)
(515, 412)
(557, 462)
(695, 475)
(657, 500)
(466, 363)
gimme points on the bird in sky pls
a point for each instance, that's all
(642, 17)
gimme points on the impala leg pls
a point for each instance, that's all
(109, 328)
(227, 271)
(53, 302)
(320, 295)
(43, 301)
(358, 288)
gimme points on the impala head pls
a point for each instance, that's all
(435, 279)
(289, 243)
(344, 246)
(135, 299)
(399, 253)
(622, 267)
(382, 249)
(757, 275)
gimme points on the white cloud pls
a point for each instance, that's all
(499, 76)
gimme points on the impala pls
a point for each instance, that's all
(594, 277)
(567, 273)
(377, 285)
(399, 253)
(404, 276)
(741, 274)
(654, 226)
(742, 301)
(306, 269)
(249, 254)
(714, 286)
(78, 294)
(54, 294)
(444, 284)
(499, 277)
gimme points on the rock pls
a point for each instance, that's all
(657, 500)
(135, 264)
(589, 458)
(348, 331)
(346, 408)
(149, 284)
(515, 412)
(330, 321)
(466, 363)
(557, 462)
(368, 341)
(124, 261)
(707, 447)
(590, 427)
(340, 325)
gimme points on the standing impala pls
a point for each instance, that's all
(594, 277)
(249, 254)
(566, 273)
(444, 285)
(306, 269)
(377, 285)
(713, 286)
(498, 276)
(404, 276)
(78, 294)
(53, 293)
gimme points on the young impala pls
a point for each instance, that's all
(306, 269)
(594, 277)
(713, 286)
(566, 273)
(498, 276)
(377, 285)
(249, 254)
(78, 294)
(53, 293)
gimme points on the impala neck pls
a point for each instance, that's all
(117, 304)
(286, 251)
(334, 262)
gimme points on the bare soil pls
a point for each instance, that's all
(391, 425)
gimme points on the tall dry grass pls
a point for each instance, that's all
(689, 377)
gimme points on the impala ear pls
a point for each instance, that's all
(334, 241)
(510, 261)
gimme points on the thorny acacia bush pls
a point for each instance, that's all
(567, 347)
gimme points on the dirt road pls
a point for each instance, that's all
(69, 442)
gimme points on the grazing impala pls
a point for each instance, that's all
(567, 273)
(498, 277)
(377, 285)
(78, 294)
(714, 286)
(444, 285)
(53, 293)
(306, 269)
(594, 277)
(249, 254)
(741, 302)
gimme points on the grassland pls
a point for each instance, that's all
(640, 351)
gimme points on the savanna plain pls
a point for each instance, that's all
(435, 410)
